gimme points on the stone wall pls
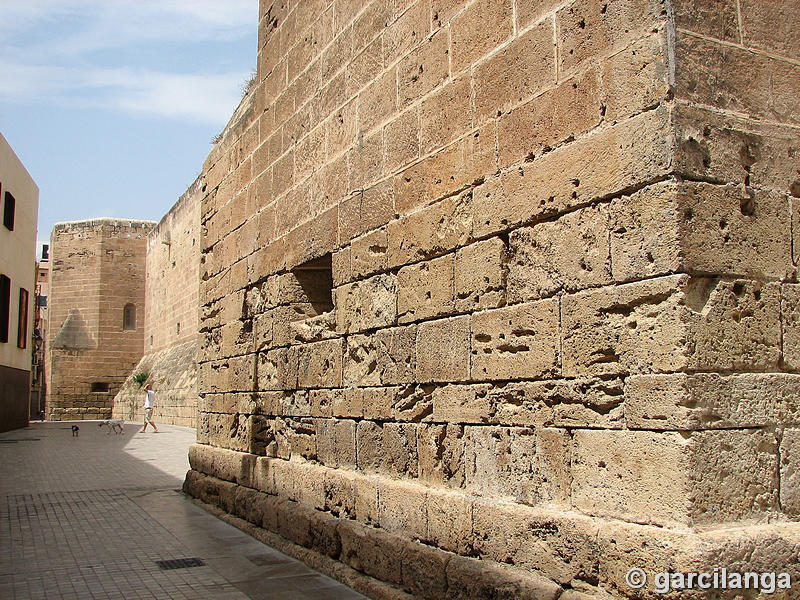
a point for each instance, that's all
(171, 318)
(497, 296)
(97, 268)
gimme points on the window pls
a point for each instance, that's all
(8, 211)
(316, 280)
(41, 301)
(22, 321)
(129, 317)
(100, 387)
(5, 307)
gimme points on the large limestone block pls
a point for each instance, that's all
(564, 112)
(336, 442)
(597, 166)
(402, 508)
(560, 543)
(450, 520)
(731, 149)
(470, 41)
(669, 324)
(736, 79)
(384, 358)
(570, 253)
(700, 228)
(320, 364)
(589, 29)
(526, 464)
(708, 400)
(277, 369)
(441, 454)
(691, 479)
(517, 342)
(367, 304)
(515, 73)
(425, 290)
(443, 350)
(479, 275)
(431, 231)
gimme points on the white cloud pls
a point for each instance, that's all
(93, 53)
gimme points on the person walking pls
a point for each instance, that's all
(149, 400)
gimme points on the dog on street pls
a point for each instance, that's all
(114, 425)
(75, 430)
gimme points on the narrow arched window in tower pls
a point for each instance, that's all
(129, 317)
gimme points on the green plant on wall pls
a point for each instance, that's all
(141, 377)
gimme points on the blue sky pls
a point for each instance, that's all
(112, 104)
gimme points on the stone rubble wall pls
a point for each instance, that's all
(562, 336)
(98, 266)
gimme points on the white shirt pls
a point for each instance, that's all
(149, 399)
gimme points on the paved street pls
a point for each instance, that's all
(90, 517)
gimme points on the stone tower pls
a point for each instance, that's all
(96, 313)
(498, 297)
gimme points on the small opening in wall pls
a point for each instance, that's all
(129, 317)
(178, 329)
(316, 279)
(151, 340)
(100, 387)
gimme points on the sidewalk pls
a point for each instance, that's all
(89, 517)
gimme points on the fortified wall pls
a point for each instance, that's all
(95, 330)
(498, 297)
(170, 321)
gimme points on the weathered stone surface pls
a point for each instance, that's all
(443, 350)
(336, 442)
(479, 275)
(402, 508)
(441, 454)
(557, 116)
(431, 231)
(708, 400)
(320, 364)
(700, 227)
(701, 478)
(736, 79)
(589, 29)
(518, 342)
(570, 253)
(425, 290)
(527, 465)
(386, 358)
(635, 151)
(366, 304)
(515, 73)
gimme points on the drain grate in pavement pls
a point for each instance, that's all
(19, 440)
(179, 563)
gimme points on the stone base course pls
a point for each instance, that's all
(492, 549)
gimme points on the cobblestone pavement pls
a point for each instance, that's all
(88, 517)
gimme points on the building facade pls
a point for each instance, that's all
(498, 298)
(95, 331)
(19, 208)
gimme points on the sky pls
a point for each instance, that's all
(111, 105)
